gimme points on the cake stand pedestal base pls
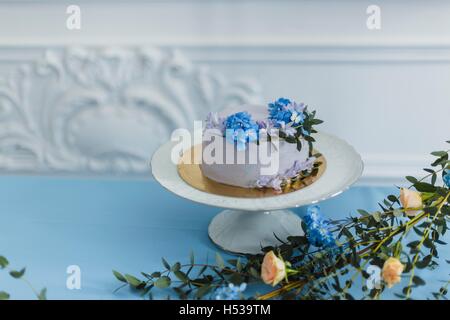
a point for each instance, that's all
(246, 232)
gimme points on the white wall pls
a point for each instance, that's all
(160, 64)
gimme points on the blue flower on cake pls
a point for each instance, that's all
(240, 128)
(286, 111)
(446, 178)
(279, 111)
(230, 292)
(318, 229)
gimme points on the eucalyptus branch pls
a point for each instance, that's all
(314, 272)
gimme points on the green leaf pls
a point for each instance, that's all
(299, 145)
(219, 261)
(17, 274)
(392, 198)
(424, 187)
(239, 265)
(133, 281)
(192, 259)
(418, 281)
(162, 282)
(411, 179)
(438, 153)
(363, 212)
(424, 262)
(165, 263)
(119, 276)
(176, 267)
(43, 294)
(3, 262)
(4, 295)
(413, 244)
(182, 276)
(254, 273)
(203, 290)
(377, 216)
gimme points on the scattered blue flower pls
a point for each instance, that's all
(446, 178)
(230, 292)
(312, 214)
(240, 128)
(318, 229)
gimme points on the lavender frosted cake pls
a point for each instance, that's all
(256, 146)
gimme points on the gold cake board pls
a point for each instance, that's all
(189, 170)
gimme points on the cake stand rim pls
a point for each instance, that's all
(166, 174)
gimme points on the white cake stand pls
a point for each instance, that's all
(250, 224)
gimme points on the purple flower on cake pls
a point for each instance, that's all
(241, 128)
(267, 127)
(298, 107)
(288, 129)
(213, 121)
(298, 167)
(261, 124)
(273, 182)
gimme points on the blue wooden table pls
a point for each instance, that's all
(48, 224)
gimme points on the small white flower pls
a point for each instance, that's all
(296, 117)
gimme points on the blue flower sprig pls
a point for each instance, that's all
(446, 177)
(287, 111)
(294, 121)
(230, 292)
(318, 229)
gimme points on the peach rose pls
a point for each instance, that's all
(410, 199)
(273, 269)
(392, 269)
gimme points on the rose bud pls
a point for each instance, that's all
(392, 269)
(273, 269)
(410, 199)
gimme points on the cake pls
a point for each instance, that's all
(257, 146)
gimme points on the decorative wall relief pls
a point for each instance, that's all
(104, 111)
